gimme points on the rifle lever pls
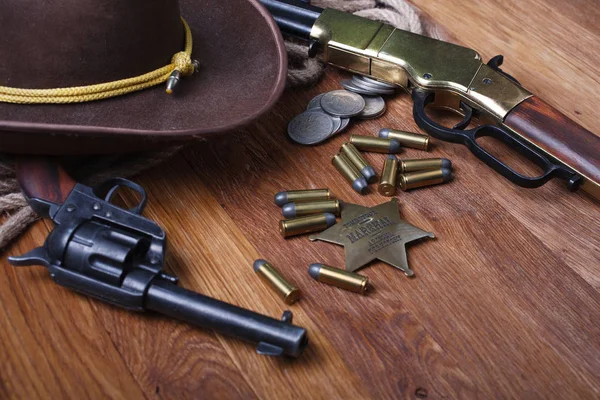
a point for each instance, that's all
(551, 168)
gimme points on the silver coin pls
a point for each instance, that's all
(315, 103)
(343, 126)
(338, 124)
(350, 86)
(375, 106)
(372, 81)
(376, 89)
(342, 103)
(312, 127)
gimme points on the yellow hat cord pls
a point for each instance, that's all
(181, 64)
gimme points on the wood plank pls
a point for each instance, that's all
(504, 303)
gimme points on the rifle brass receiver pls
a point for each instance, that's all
(413, 61)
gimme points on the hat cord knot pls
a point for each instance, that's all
(183, 63)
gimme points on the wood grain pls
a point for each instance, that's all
(506, 299)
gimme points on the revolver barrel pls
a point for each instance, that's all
(274, 337)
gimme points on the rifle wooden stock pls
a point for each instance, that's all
(562, 138)
(44, 178)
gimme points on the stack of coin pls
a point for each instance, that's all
(329, 113)
(307, 211)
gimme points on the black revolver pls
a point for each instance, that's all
(116, 255)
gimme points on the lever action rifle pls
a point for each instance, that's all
(116, 255)
(449, 76)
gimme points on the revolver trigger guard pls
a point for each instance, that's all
(112, 185)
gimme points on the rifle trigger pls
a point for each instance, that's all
(467, 118)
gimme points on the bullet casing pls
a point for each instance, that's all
(337, 277)
(406, 139)
(288, 292)
(375, 144)
(301, 196)
(418, 179)
(387, 183)
(350, 151)
(307, 224)
(350, 172)
(292, 210)
(426, 164)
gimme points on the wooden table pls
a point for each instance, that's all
(506, 301)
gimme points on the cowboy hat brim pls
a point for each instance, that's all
(243, 66)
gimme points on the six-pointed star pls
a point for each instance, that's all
(373, 233)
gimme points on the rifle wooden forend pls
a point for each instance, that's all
(557, 135)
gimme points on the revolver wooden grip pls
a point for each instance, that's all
(43, 178)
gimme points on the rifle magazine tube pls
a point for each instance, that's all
(339, 278)
(307, 224)
(387, 183)
(288, 292)
(426, 164)
(414, 180)
(301, 196)
(293, 210)
(274, 337)
(350, 173)
(350, 151)
(406, 139)
(375, 144)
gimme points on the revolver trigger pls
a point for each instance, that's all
(467, 118)
(496, 62)
(36, 256)
(266, 349)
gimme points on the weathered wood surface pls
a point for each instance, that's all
(506, 302)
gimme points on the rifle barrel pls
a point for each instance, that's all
(293, 17)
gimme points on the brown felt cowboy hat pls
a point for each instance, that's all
(72, 43)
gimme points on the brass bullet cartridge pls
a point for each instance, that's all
(301, 196)
(406, 139)
(288, 292)
(293, 210)
(375, 144)
(387, 183)
(350, 151)
(307, 224)
(350, 172)
(339, 278)
(426, 164)
(418, 179)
